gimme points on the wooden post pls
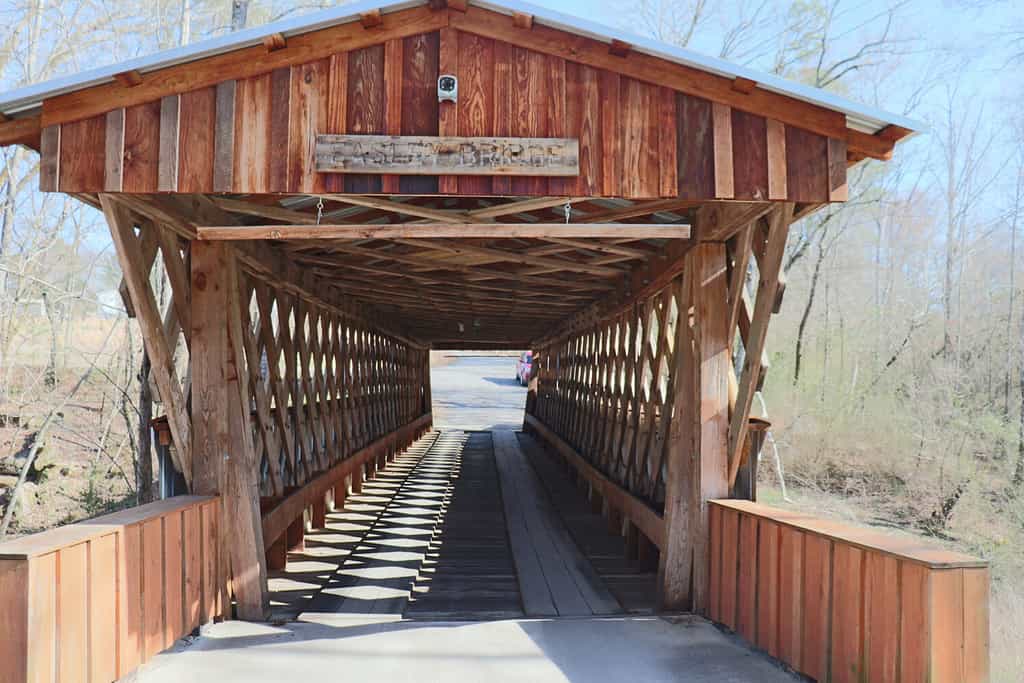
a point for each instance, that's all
(697, 456)
(224, 455)
(319, 520)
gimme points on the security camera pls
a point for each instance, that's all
(447, 88)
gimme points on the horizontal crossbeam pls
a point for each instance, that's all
(446, 230)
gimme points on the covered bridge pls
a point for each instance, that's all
(334, 196)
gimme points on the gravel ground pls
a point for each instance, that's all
(477, 392)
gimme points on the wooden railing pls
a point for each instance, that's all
(616, 503)
(280, 515)
(92, 601)
(841, 603)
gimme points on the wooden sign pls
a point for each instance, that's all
(424, 155)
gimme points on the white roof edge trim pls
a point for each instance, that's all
(861, 117)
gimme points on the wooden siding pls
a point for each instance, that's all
(255, 134)
(838, 603)
(94, 600)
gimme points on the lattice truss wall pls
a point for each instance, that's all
(322, 386)
(607, 391)
(610, 388)
(322, 383)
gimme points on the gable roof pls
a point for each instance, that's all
(859, 117)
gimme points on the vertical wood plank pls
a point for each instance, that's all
(715, 589)
(167, 174)
(847, 629)
(393, 68)
(173, 578)
(817, 597)
(530, 104)
(224, 137)
(668, 146)
(49, 159)
(475, 106)
(448, 112)
(114, 153)
(73, 612)
(192, 536)
(775, 140)
(915, 626)
(129, 574)
(881, 617)
(81, 168)
(746, 594)
(141, 147)
(503, 94)
(152, 587)
(695, 148)
(750, 156)
(557, 123)
(252, 134)
(583, 119)
(280, 106)
(638, 130)
(365, 114)
(730, 566)
(791, 615)
(103, 589)
(611, 142)
(721, 126)
(197, 135)
(768, 587)
(212, 586)
(946, 607)
(310, 114)
(806, 166)
(42, 615)
(419, 100)
(15, 597)
(976, 624)
(837, 189)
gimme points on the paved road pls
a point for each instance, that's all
(477, 392)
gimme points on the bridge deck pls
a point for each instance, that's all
(470, 557)
(464, 525)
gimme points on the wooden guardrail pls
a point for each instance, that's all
(646, 519)
(92, 601)
(282, 514)
(842, 603)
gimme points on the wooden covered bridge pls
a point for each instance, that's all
(332, 198)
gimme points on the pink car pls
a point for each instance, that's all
(523, 365)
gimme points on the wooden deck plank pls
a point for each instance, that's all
(575, 587)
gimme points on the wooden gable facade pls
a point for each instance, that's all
(246, 121)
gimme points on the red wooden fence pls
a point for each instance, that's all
(841, 603)
(92, 601)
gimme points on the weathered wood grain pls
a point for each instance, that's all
(197, 135)
(365, 107)
(419, 99)
(421, 155)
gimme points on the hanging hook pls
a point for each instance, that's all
(319, 209)
(568, 212)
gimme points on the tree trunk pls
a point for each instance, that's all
(239, 14)
(807, 313)
(50, 376)
(146, 492)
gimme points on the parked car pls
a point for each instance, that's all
(523, 365)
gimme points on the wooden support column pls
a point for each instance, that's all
(699, 436)
(224, 455)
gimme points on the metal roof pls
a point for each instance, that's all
(859, 117)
